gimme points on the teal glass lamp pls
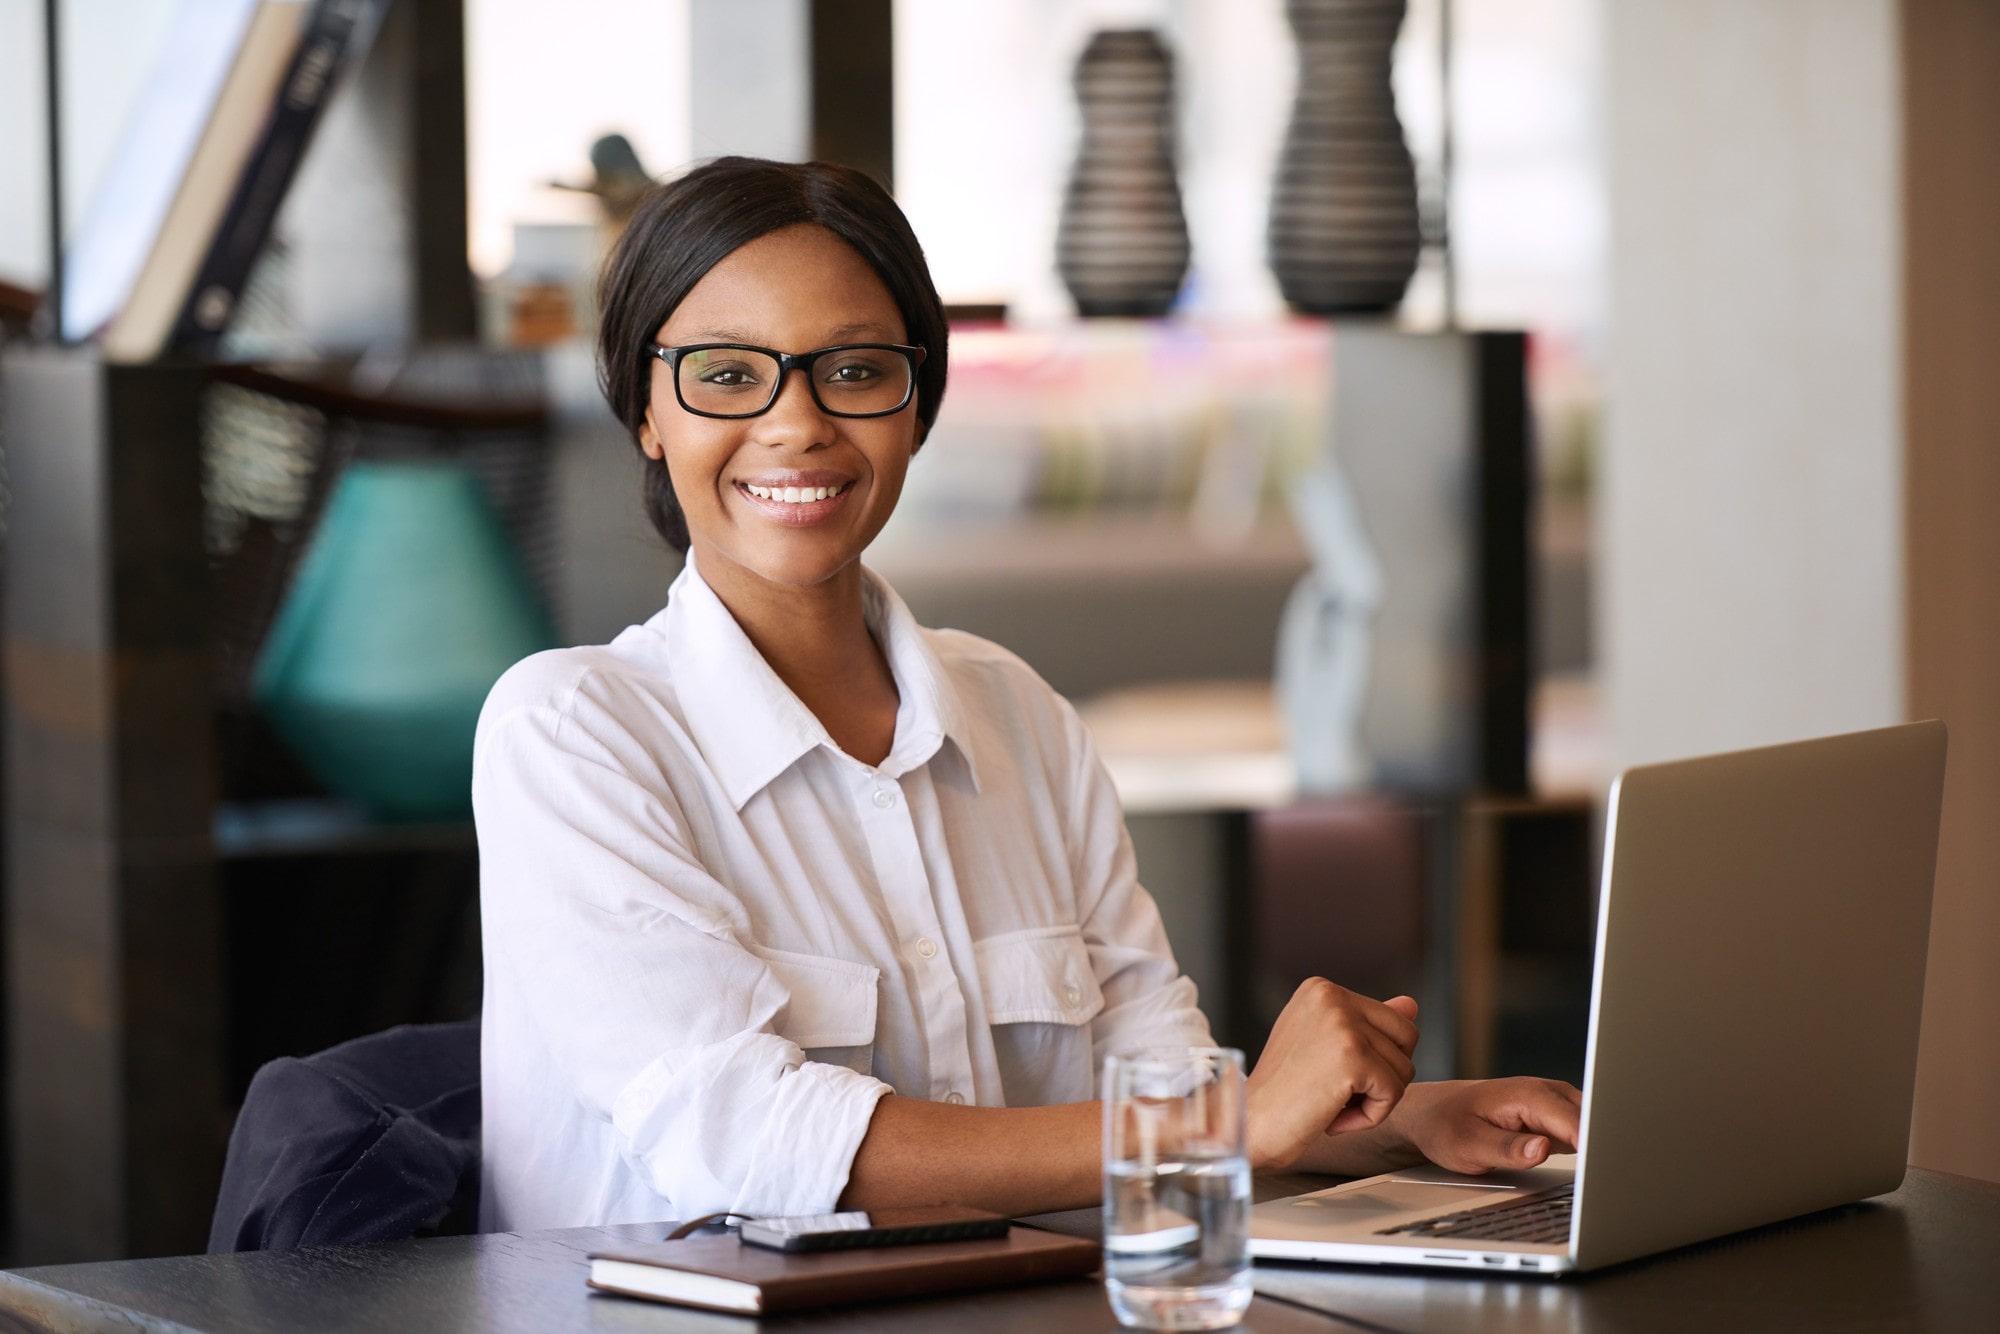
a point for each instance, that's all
(407, 606)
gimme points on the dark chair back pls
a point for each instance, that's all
(374, 1140)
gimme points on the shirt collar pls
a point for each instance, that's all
(749, 725)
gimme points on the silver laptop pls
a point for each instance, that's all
(1753, 1023)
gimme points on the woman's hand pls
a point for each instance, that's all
(1475, 1126)
(1334, 1062)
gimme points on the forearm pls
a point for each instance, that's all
(1011, 1160)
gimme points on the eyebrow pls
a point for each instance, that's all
(875, 332)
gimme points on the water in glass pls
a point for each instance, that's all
(1176, 1189)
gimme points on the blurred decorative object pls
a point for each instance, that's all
(547, 294)
(409, 604)
(1122, 246)
(1344, 230)
(1323, 640)
(617, 178)
(420, 570)
(1431, 433)
(621, 179)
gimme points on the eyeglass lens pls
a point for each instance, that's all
(736, 381)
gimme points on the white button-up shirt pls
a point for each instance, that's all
(714, 940)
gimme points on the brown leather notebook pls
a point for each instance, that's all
(723, 1274)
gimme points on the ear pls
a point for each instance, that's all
(649, 438)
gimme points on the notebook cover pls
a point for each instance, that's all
(794, 1282)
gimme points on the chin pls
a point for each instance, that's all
(795, 569)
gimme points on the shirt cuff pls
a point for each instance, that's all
(805, 1152)
(745, 1125)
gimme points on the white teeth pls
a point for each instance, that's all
(793, 495)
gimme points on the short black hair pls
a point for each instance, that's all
(684, 227)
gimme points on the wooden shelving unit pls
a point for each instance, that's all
(114, 917)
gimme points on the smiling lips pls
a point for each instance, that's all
(795, 495)
(797, 504)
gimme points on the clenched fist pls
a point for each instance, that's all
(1335, 1062)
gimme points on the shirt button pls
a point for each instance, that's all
(1072, 995)
(955, 1098)
(927, 947)
(884, 798)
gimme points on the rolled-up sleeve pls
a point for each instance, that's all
(630, 966)
(1147, 1001)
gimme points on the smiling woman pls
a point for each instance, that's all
(789, 902)
(688, 228)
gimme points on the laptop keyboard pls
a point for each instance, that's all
(1538, 1218)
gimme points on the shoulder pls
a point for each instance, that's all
(983, 671)
(1007, 704)
(591, 696)
(549, 680)
(567, 681)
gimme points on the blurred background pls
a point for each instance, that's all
(1384, 420)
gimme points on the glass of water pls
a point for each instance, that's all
(1176, 1188)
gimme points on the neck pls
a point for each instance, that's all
(816, 638)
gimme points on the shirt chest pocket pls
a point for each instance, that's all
(1038, 976)
(831, 1010)
(1041, 995)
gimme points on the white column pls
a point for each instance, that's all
(1751, 509)
(752, 78)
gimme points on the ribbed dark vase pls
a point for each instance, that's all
(1344, 233)
(1122, 247)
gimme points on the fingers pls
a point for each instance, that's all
(1360, 1114)
(1478, 1147)
(1374, 1095)
(1395, 1057)
(1396, 1018)
(1379, 1087)
(1507, 1123)
(1539, 1106)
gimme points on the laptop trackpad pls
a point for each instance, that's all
(1380, 1199)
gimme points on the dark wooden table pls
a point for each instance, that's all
(1924, 1258)
(503, 1283)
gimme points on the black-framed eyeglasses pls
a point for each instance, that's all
(737, 380)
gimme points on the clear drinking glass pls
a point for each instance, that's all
(1176, 1188)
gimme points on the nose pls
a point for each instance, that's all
(794, 418)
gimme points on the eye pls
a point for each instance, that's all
(854, 368)
(726, 375)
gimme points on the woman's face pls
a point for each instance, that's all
(794, 290)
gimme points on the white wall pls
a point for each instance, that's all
(542, 82)
(750, 79)
(1527, 220)
(1750, 515)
